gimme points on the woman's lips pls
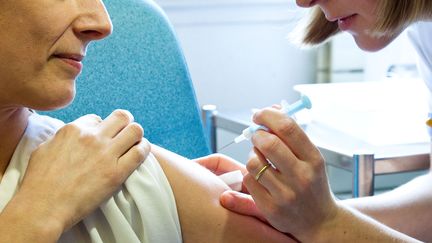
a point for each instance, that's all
(345, 23)
(74, 63)
(73, 60)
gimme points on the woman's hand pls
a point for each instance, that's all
(82, 165)
(294, 195)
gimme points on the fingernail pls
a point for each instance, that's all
(227, 200)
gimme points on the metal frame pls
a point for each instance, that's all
(363, 164)
(208, 115)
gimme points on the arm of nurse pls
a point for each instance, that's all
(296, 197)
(395, 208)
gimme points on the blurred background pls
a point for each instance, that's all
(240, 58)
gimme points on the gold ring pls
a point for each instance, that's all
(262, 171)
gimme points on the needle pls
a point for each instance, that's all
(224, 147)
(289, 110)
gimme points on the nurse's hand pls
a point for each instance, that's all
(81, 166)
(239, 202)
(294, 196)
(220, 164)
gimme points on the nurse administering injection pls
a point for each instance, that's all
(294, 196)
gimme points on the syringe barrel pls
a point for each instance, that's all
(290, 110)
(248, 132)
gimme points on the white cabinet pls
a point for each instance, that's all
(348, 64)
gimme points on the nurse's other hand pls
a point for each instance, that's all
(239, 202)
(81, 166)
(220, 164)
(294, 198)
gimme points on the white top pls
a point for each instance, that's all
(421, 38)
(144, 210)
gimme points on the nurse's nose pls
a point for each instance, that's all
(306, 3)
(94, 22)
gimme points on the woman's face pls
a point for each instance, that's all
(357, 17)
(42, 44)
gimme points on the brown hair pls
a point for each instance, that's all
(394, 15)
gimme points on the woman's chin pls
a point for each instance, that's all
(373, 44)
(53, 103)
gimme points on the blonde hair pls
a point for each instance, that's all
(393, 16)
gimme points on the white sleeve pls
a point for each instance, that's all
(421, 38)
(143, 210)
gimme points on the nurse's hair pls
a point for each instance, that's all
(393, 16)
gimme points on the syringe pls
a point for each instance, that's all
(289, 110)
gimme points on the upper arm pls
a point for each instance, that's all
(202, 218)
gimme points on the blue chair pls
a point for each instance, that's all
(141, 68)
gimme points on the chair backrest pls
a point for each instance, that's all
(141, 68)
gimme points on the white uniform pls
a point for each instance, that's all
(144, 210)
(421, 38)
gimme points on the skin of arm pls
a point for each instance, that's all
(350, 225)
(14, 229)
(406, 209)
(202, 218)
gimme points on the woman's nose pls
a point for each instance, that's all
(94, 22)
(306, 3)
